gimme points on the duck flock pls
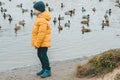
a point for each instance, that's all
(56, 20)
(79, 28)
(8, 17)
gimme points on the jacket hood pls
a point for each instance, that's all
(46, 15)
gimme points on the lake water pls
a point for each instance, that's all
(16, 51)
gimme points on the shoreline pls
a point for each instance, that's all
(61, 70)
(30, 71)
(52, 63)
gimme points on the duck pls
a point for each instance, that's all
(85, 30)
(100, 0)
(110, 11)
(0, 27)
(34, 2)
(62, 5)
(31, 13)
(0, 3)
(72, 12)
(4, 15)
(24, 10)
(60, 18)
(22, 22)
(10, 18)
(60, 28)
(85, 22)
(17, 28)
(117, 1)
(50, 9)
(105, 23)
(83, 9)
(20, 5)
(67, 24)
(106, 16)
(117, 34)
(55, 20)
(67, 13)
(117, 5)
(4, 10)
(86, 16)
(47, 4)
(1, 9)
(94, 9)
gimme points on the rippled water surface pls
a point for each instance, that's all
(16, 51)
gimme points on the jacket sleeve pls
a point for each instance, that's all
(41, 34)
(33, 37)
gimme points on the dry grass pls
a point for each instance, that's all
(117, 77)
(100, 64)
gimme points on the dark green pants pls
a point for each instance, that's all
(42, 55)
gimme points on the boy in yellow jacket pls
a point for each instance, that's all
(41, 37)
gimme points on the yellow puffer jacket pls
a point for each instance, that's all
(41, 33)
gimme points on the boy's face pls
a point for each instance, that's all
(36, 12)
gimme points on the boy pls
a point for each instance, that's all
(41, 37)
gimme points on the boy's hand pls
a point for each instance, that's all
(35, 47)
